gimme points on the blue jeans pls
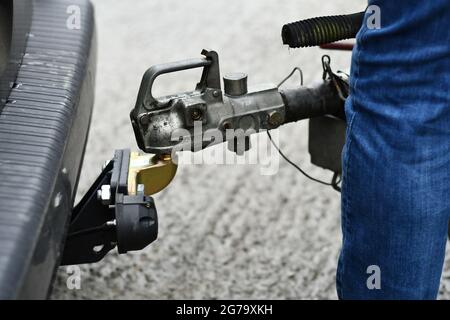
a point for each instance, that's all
(396, 161)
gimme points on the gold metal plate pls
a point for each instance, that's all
(155, 172)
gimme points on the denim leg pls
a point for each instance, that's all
(396, 161)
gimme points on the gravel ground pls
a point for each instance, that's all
(226, 231)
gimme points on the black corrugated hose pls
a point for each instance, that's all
(321, 30)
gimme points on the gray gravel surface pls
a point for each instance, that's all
(226, 231)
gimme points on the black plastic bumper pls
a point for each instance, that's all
(43, 131)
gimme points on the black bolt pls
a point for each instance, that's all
(144, 119)
(196, 114)
(227, 125)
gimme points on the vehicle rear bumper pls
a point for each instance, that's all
(43, 131)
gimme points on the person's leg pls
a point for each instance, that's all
(396, 161)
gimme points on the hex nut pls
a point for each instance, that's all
(104, 194)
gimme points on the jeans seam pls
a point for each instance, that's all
(345, 196)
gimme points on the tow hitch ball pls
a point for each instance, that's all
(117, 210)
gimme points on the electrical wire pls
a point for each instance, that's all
(334, 182)
(336, 177)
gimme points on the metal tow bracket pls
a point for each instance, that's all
(117, 210)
